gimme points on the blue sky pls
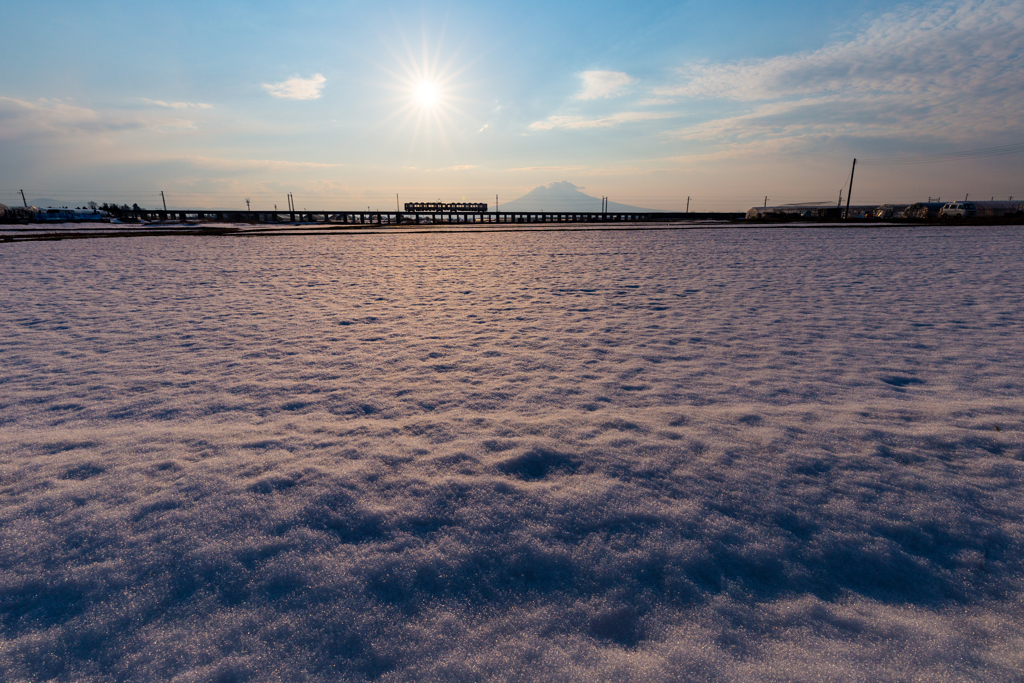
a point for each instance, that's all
(347, 103)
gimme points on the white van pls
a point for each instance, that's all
(959, 209)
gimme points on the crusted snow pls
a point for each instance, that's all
(722, 455)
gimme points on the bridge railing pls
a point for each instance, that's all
(330, 217)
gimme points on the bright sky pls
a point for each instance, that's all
(347, 103)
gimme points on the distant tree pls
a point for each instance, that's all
(93, 206)
(113, 208)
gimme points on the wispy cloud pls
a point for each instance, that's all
(550, 169)
(222, 164)
(602, 84)
(298, 88)
(54, 118)
(946, 70)
(177, 105)
(582, 122)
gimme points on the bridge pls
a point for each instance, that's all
(376, 218)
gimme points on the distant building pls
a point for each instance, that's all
(996, 209)
(67, 215)
(923, 210)
(918, 210)
(820, 211)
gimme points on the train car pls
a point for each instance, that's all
(438, 207)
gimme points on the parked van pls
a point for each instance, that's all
(958, 209)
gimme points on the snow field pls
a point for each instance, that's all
(705, 455)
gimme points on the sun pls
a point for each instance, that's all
(430, 95)
(426, 94)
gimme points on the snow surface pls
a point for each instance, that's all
(721, 455)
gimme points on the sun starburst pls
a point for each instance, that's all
(428, 94)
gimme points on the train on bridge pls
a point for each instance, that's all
(438, 207)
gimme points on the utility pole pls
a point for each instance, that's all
(840, 204)
(687, 204)
(966, 196)
(496, 205)
(25, 202)
(163, 199)
(849, 192)
(396, 202)
(766, 201)
(247, 204)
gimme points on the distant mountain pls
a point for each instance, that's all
(50, 203)
(564, 196)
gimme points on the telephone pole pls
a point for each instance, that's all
(23, 200)
(849, 191)
(687, 205)
(163, 199)
(396, 202)
(247, 204)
